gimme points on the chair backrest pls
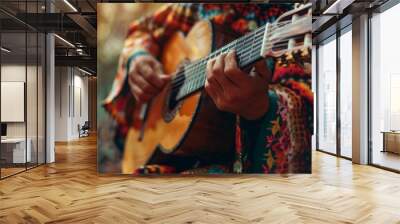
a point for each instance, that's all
(86, 124)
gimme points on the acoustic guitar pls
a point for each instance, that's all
(182, 124)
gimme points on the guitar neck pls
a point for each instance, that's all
(289, 33)
(192, 77)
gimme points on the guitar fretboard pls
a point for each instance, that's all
(192, 77)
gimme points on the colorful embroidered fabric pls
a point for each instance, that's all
(280, 141)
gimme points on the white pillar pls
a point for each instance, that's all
(50, 92)
(360, 90)
(314, 88)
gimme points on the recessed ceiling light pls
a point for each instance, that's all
(338, 6)
(5, 50)
(84, 71)
(70, 5)
(64, 40)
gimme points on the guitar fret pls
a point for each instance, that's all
(247, 51)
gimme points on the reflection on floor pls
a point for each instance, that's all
(9, 170)
(71, 191)
(386, 159)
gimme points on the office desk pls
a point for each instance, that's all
(13, 150)
(391, 141)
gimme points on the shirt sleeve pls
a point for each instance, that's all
(280, 142)
(148, 36)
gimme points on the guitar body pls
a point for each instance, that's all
(194, 130)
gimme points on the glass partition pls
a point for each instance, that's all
(15, 151)
(31, 98)
(327, 96)
(41, 97)
(22, 88)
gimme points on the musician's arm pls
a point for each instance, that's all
(145, 37)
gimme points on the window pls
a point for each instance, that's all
(385, 88)
(346, 93)
(327, 96)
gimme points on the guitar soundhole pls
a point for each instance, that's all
(172, 105)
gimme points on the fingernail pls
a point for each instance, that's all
(167, 77)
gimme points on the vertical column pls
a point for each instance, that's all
(360, 90)
(314, 90)
(50, 92)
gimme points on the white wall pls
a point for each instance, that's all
(33, 127)
(12, 73)
(16, 73)
(61, 103)
(71, 94)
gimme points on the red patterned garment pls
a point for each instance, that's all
(280, 142)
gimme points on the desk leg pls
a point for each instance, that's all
(384, 142)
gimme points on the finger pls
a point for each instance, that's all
(144, 85)
(157, 67)
(165, 78)
(150, 75)
(153, 63)
(232, 71)
(210, 73)
(209, 89)
(210, 65)
(216, 95)
(226, 84)
(139, 94)
(213, 91)
(217, 72)
(263, 71)
(131, 83)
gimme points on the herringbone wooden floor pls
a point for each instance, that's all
(70, 191)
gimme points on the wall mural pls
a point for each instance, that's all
(204, 88)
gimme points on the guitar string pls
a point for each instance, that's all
(192, 72)
(194, 79)
(262, 28)
(181, 78)
(193, 83)
(194, 64)
(198, 63)
(189, 78)
(240, 40)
